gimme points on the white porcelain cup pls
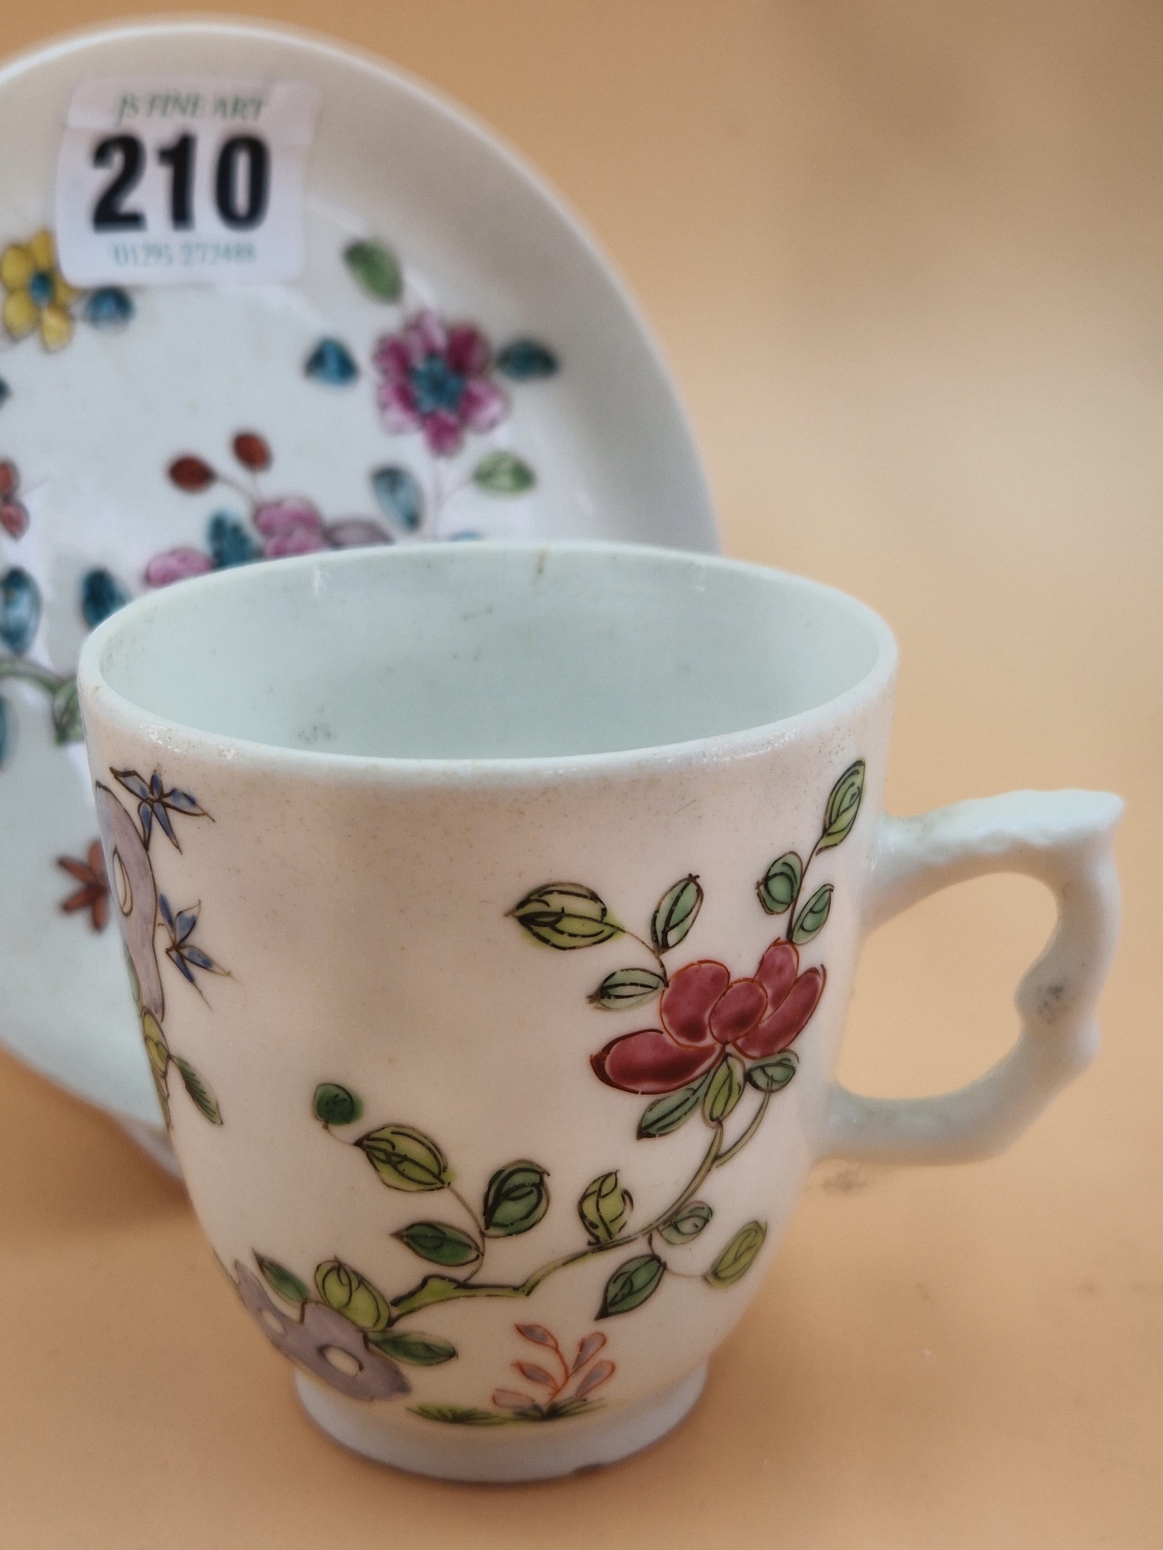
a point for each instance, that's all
(493, 911)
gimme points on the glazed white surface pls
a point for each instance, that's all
(93, 428)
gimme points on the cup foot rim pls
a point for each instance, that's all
(496, 1456)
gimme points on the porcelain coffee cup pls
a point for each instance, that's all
(492, 913)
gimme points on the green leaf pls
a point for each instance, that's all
(376, 269)
(605, 1208)
(155, 1043)
(780, 883)
(676, 913)
(627, 987)
(161, 1087)
(66, 714)
(282, 1280)
(405, 1158)
(843, 806)
(565, 916)
(411, 1346)
(631, 1284)
(503, 473)
(724, 1091)
(737, 1258)
(671, 1110)
(198, 1089)
(460, 1415)
(351, 1294)
(769, 1075)
(776, 1071)
(336, 1105)
(439, 1243)
(813, 915)
(688, 1224)
(516, 1198)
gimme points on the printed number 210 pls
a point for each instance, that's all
(242, 182)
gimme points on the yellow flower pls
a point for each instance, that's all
(38, 297)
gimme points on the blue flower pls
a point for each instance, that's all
(182, 952)
(154, 801)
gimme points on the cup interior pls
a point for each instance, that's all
(486, 651)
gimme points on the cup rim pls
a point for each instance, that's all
(99, 698)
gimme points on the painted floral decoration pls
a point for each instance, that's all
(279, 525)
(435, 377)
(93, 893)
(144, 911)
(438, 380)
(722, 1054)
(324, 1342)
(567, 1386)
(706, 1015)
(36, 294)
(37, 297)
(21, 610)
(338, 1331)
(13, 511)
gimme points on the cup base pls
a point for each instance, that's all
(496, 1455)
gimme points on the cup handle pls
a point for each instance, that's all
(1064, 839)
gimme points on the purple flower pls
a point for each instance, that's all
(177, 565)
(435, 379)
(323, 1342)
(289, 526)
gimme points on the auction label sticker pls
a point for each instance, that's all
(178, 181)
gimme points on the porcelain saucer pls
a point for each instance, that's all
(151, 433)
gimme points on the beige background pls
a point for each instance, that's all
(905, 261)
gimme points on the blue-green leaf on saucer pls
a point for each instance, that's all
(19, 609)
(524, 360)
(109, 308)
(331, 363)
(399, 496)
(376, 269)
(5, 391)
(66, 714)
(230, 543)
(503, 473)
(101, 595)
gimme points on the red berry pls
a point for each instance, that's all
(9, 480)
(191, 474)
(252, 451)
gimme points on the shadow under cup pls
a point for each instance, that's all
(487, 651)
